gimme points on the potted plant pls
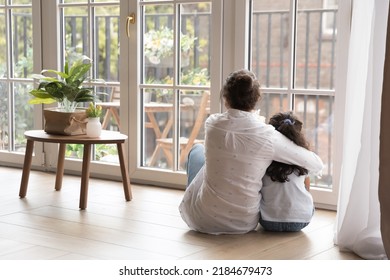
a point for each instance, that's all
(67, 90)
(94, 111)
(94, 127)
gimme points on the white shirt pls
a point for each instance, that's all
(225, 196)
(286, 202)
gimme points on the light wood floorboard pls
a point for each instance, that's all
(48, 224)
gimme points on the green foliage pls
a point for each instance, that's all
(74, 150)
(158, 44)
(196, 76)
(66, 89)
(105, 150)
(24, 65)
(199, 77)
(101, 151)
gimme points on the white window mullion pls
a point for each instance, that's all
(9, 51)
(292, 48)
(176, 81)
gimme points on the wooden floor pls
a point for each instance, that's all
(48, 225)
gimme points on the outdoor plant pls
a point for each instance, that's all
(102, 151)
(158, 44)
(197, 76)
(66, 88)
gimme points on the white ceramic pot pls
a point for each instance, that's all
(94, 127)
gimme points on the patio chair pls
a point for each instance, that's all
(111, 107)
(166, 144)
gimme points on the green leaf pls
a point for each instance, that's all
(66, 67)
(55, 90)
(85, 95)
(59, 73)
(40, 93)
(41, 101)
(78, 72)
(85, 99)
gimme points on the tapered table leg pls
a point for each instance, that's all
(125, 175)
(26, 168)
(60, 166)
(85, 176)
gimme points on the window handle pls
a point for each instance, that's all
(130, 19)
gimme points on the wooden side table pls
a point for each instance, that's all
(107, 137)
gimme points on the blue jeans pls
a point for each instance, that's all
(281, 226)
(195, 162)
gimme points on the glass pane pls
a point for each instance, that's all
(316, 113)
(272, 103)
(102, 1)
(195, 44)
(3, 46)
(105, 57)
(107, 43)
(106, 153)
(19, 2)
(22, 42)
(314, 64)
(158, 44)
(16, 115)
(76, 32)
(74, 1)
(194, 109)
(24, 115)
(110, 101)
(173, 58)
(157, 124)
(102, 152)
(12, 128)
(74, 151)
(270, 35)
(316, 43)
(4, 116)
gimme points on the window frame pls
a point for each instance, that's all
(324, 198)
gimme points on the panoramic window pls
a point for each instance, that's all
(92, 29)
(175, 80)
(293, 54)
(16, 64)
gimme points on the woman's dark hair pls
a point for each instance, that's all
(241, 90)
(291, 127)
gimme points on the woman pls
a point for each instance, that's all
(225, 178)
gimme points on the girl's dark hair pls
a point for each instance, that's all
(291, 127)
(241, 90)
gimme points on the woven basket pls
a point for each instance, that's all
(65, 123)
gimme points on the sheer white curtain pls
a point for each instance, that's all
(358, 214)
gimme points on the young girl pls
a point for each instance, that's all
(286, 204)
